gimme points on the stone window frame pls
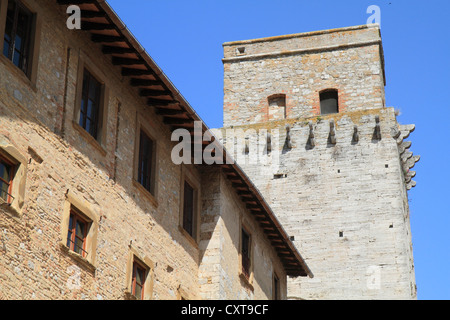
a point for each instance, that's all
(135, 257)
(84, 209)
(18, 183)
(247, 280)
(194, 182)
(30, 76)
(86, 63)
(152, 194)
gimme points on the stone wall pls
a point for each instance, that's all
(300, 66)
(65, 166)
(338, 183)
(344, 203)
(221, 239)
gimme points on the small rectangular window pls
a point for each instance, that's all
(77, 234)
(145, 164)
(90, 104)
(17, 37)
(245, 253)
(188, 209)
(329, 101)
(138, 280)
(276, 287)
(6, 178)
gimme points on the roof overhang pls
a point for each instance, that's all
(108, 30)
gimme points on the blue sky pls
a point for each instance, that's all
(185, 39)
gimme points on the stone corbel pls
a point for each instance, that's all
(269, 142)
(377, 134)
(332, 136)
(410, 163)
(405, 145)
(405, 131)
(312, 139)
(246, 146)
(288, 137)
(409, 175)
(355, 134)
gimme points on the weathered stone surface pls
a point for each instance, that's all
(65, 167)
(341, 191)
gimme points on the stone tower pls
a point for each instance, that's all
(306, 118)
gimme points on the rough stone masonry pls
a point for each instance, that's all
(338, 182)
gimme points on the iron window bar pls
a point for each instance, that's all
(75, 246)
(9, 198)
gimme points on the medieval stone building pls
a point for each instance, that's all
(306, 118)
(92, 205)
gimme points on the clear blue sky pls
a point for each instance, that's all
(185, 39)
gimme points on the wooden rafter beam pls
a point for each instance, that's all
(159, 102)
(101, 38)
(118, 61)
(169, 112)
(87, 14)
(116, 50)
(136, 82)
(136, 72)
(154, 93)
(89, 26)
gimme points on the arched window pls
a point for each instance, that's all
(329, 101)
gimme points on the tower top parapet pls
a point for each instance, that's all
(303, 75)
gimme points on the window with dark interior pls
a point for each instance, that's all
(90, 104)
(245, 253)
(145, 165)
(78, 230)
(329, 101)
(6, 178)
(188, 209)
(17, 37)
(138, 280)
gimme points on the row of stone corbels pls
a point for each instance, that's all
(332, 135)
(408, 159)
(312, 138)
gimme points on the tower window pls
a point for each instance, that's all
(241, 50)
(329, 101)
